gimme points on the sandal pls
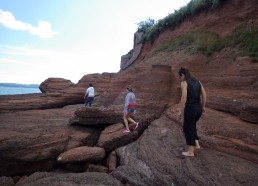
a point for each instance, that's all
(126, 131)
(136, 125)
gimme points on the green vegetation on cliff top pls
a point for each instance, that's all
(152, 29)
(244, 36)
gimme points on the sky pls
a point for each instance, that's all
(68, 39)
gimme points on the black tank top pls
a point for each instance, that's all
(193, 92)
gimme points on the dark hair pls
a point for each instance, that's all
(130, 89)
(90, 85)
(186, 73)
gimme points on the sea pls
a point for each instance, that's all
(18, 90)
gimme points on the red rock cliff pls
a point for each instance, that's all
(35, 129)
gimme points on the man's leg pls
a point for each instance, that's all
(86, 101)
(91, 100)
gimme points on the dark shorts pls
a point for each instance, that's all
(131, 110)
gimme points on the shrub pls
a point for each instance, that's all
(152, 29)
(143, 26)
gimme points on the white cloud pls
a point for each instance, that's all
(27, 51)
(43, 30)
(39, 65)
(15, 61)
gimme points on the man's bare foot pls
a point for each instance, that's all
(197, 146)
(196, 149)
(188, 153)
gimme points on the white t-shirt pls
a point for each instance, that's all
(90, 92)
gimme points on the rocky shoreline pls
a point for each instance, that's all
(52, 139)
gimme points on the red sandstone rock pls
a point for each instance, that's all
(112, 161)
(30, 141)
(228, 147)
(228, 154)
(101, 83)
(6, 181)
(72, 179)
(96, 116)
(112, 137)
(82, 154)
(96, 168)
(55, 85)
(58, 93)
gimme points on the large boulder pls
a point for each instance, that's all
(101, 82)
(31, 141)
(246, 107)
(82, 154)
(112, 161)
(151, 87)
(69, 179)
(96, 116)
(6, 181)
(112, 137)
(156, 159)
(55, 85)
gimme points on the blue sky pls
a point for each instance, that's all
(70, 38)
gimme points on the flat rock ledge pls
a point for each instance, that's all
(112, 136)
(96, 116)
(82, 154)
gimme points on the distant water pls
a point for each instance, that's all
(17, 90)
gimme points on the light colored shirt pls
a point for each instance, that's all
(90, 92)
(129, 100)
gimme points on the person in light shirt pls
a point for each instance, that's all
(89, 95)
(129, 108)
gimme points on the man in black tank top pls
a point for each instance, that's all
(192, 107)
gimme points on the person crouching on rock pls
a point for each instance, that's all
(89, 95)
(192, 105)
(129, 108)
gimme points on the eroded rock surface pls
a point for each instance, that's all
(156, 155)
(35, 128)
(96, 116)
(57, 179)
(82, 154)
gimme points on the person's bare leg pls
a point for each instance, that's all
(125, 121)
(190, 151)
(135, 124)
(131, 120)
